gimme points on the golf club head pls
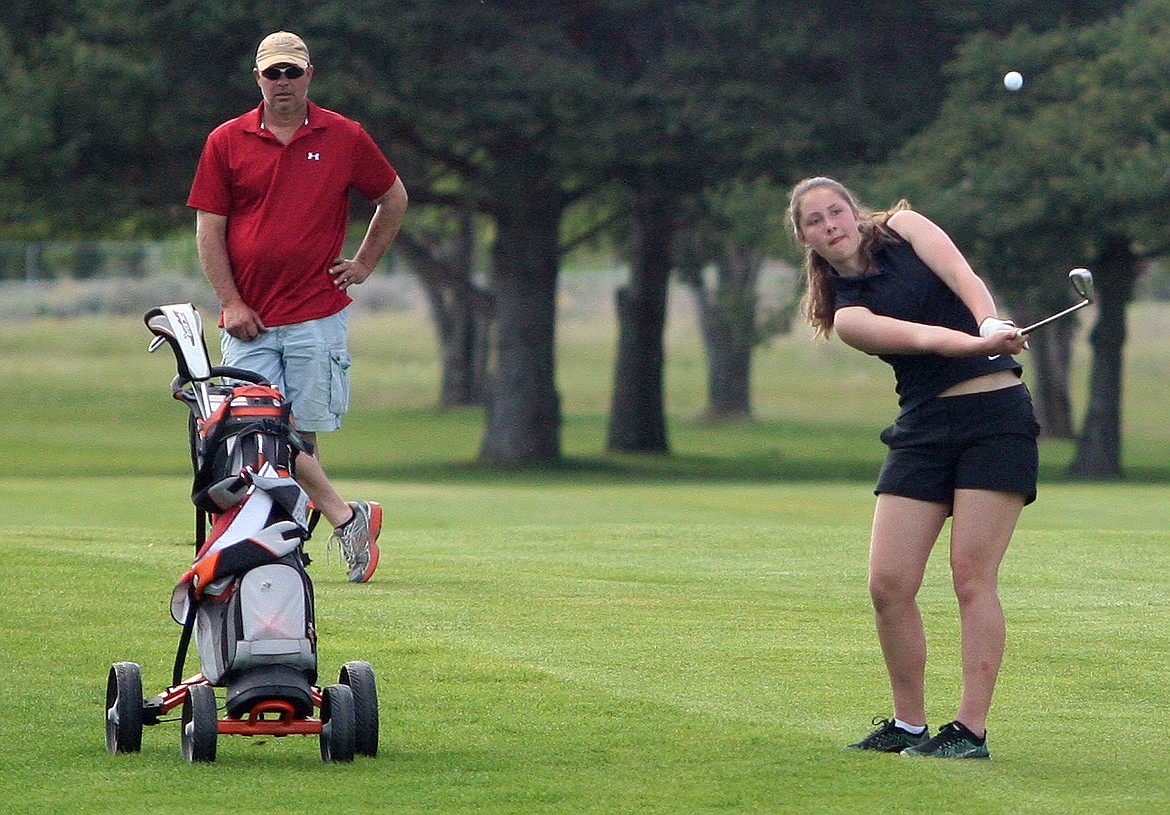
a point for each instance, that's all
(1082, 281)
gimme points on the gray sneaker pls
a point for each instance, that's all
(358, 540)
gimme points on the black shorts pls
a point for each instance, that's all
(983, 441)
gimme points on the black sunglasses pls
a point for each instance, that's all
(291, 71)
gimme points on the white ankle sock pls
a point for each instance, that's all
(910, 728)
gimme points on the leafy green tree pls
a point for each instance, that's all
(23, 131)
(512, 110)
(694, 106)
(485, 106)
(76, 147)
(712, 94)
(1069, 171)
(119, 96)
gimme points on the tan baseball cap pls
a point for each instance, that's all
(282, 47)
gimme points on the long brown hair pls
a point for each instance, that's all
(819, 301)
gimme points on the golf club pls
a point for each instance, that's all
(182, 327)
(1082, 281)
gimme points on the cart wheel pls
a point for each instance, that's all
(200, 722)
(338, 725)
(124, 708)
(360, 678)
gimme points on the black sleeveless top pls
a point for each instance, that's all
(905, 288)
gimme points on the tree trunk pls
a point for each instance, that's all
(462, 312)
(463, 319)
(727, 319)
(729, 372)
(1098, 450)
(637, 421)
(1050, 352)
(523, 407)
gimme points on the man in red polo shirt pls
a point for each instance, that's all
(271, 195)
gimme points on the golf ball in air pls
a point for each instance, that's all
(1013, 80)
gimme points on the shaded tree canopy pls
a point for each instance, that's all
(1069, 171)
(108, 101)
(513, 110)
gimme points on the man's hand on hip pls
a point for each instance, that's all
(348, 273)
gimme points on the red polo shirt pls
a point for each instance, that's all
(288, 207)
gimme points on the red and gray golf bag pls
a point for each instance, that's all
(247, 598)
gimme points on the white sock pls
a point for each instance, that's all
(910, 728)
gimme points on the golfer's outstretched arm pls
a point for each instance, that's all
(873, 333)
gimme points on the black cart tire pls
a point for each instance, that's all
(200, 724)
(337, 724)
(359, 676)
(124, 708)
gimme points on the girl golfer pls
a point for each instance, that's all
(893, 284)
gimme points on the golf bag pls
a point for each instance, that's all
(252, 599)
(251, 425)
(246, 600)
(247, 597)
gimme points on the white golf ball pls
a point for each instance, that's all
(1013, 80)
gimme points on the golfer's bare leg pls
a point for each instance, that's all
(980, 533)
(904, 532)
(311, 476)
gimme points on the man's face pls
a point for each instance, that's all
(282, 92)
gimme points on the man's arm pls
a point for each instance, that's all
(389, 211)
(239, 319)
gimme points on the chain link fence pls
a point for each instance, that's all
(35, 261)
(75, 278)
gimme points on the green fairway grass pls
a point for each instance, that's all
(662, 634)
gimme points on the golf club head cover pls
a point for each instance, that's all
(182, 327)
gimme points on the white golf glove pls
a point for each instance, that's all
(993, 325)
